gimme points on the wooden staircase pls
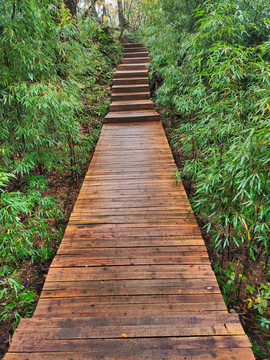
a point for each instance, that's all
(130, 93)
(132, 278)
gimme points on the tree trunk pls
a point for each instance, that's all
(72, 6)
(121, 16)
(91, 10)
(123, 24)
(104, 14)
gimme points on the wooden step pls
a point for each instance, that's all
(132, 67)
(227, 347)
(136, 54)
(129, 88)
(126, 305)
(132, 45)
(136, 60)
(131, 81)
(131, 105)
(90, 327)
(131, 96)
(131, 116)
(135, 50)
(132, 74)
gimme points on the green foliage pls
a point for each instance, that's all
(227, 278)
(54, 74)
(25, 217)
(256, 349)
(40, 96)
(210, 69)
(16, 300)
(264, 323)
(259, 301)
(213, 68)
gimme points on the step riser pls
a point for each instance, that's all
(134, 50)
(131, 67)
(137, 60)
(132, 119)
(135, 107)
(136, 55)
(130, 74)
(128, 97)
(130, 89)
(129, 81)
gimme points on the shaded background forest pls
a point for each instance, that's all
(210, 78)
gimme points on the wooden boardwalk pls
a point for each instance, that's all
(132, 278)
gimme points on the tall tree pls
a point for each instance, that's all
(121, 16)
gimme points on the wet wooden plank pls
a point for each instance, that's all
(127, 305)
(135, 353)
(74, 242)
(184, 320)
(220, 347)
(131, 272)
(70, 262)
(129, 287)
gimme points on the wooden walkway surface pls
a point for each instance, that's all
(132, 278)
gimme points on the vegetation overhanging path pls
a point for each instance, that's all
(132, 278)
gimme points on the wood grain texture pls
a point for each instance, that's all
(132, 278)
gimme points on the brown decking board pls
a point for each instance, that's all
(132, 277)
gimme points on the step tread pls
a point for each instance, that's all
(131, 72)
(146, 59)
(136, 78)
(133, 94)
(135, 86)
(128, 114)
(129, 45)
(134, 64)
(132, 102)
(136, 54)
(135, 48)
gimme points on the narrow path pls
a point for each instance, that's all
(132, 278)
